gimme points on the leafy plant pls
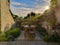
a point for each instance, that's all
(42, 31)
(3, 38)
(12, 33)
(52, 38)
(53, 3)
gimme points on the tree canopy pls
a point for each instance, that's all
(53, 3)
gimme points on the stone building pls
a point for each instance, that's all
(6, 18)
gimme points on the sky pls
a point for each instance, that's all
(23, 7)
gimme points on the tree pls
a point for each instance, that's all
(53, 3)
(28, 15)
(32, 14)
(11, 13)
(15, 17)
(25, 17)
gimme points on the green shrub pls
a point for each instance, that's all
(52, 38)
(42, 31)
(3, 38)
(12, 33)
(46, 38)
(0, 31)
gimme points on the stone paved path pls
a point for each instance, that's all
(21, 37)
(20, 41)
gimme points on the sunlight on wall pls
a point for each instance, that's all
(47, 7)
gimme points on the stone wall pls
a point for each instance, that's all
(0, 14)
(57, 11)
(58, 2)
(6, 18)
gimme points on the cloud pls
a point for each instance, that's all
(24, 9)
(43, 0)
(17, 4)
(46, 0)
(20, 11)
